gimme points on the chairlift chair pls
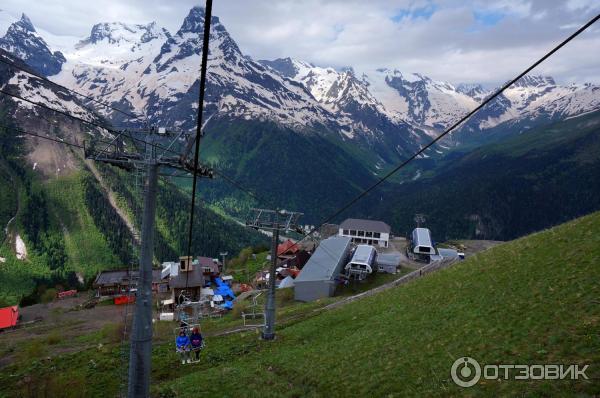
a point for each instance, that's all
(187, 328)
(254, 314)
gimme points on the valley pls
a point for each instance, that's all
(308, 115)
(532, 299)
(484, 246)
(312, 137)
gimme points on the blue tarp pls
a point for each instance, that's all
(223, 289)
(228, 305)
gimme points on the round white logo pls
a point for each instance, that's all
(465, 372)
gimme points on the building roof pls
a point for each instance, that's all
(211, 263)
(206, 261)
(362, 254)
(422, 237)
(170, 268)
(9, 316)
(393, 258)
(123, 276)
(288, 281)
(327, 260)
(193, 278)
(366, 225)
(287, 247)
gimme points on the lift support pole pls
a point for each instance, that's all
(140, 353)
(141, 337)
(274, 221)
(269, 331)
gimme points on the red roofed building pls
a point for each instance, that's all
(287, 249)
(291, 255)
(9, 316)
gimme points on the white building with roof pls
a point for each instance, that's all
(369, 232)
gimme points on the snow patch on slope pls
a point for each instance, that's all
(32, 90)
(20, 247)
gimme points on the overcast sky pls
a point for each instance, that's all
(459, 41)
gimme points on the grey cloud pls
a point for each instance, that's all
(447, 46)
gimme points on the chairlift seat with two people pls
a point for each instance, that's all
(189, 340)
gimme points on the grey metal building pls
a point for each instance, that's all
(318, 277)
(389, 262)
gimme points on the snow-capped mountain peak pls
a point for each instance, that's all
(428, 103)
(289, 67)
(343, 93)
(119, 33)
(473, 90)
(25, 23)
(148, 71)
(194, 21)
(325, 84)
(538, 98)
(535, 81)
(22, 40)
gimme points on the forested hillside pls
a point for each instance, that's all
(504, 190)
(71, 231)
(65, 246)
(28, 213)
(212, 232)
(285, 169)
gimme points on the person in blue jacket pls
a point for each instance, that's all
(197, 342)
(183, 346)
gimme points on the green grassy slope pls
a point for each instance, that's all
(17, 276)
(68, 220)
(534, 300)
(86, 246)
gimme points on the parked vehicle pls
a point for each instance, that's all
(66, 293)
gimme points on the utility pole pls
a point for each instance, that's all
(269, 331)
(148, 158)
(274, 221)
(223, 255)
(419, 219)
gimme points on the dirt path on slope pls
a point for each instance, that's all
(113, 201)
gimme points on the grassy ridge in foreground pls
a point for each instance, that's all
(534, 300)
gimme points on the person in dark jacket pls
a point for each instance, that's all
(183, 346)
(196, 342)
